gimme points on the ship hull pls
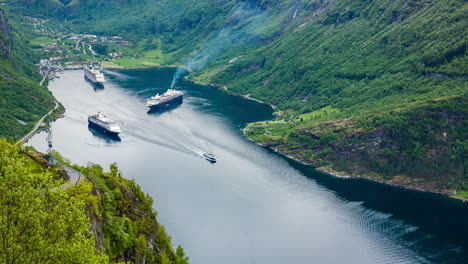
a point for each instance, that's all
(102, 129)
(174, 101)
(100, 134)
(210, 160)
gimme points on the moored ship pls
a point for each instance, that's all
(170, 97)
(94, 75)
(102, 123)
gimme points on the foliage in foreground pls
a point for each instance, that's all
(130, 232)
(105, 220)
(40, 220)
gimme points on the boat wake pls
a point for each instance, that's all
(165, 138)
(119, 76)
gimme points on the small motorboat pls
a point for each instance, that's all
(209, 156)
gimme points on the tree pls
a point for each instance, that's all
(180, 257)
(101, 49)
(41, 221)
(114, 170)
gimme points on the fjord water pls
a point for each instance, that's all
(252, 206)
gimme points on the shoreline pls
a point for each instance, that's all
(335, 174)
(224, 89)
(329, 172)
(118, 67)
(38, 126)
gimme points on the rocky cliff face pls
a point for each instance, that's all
(5, 36)
(123, 220)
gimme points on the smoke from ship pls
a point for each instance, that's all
(250, 22)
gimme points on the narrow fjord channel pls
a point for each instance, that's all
(252, 206)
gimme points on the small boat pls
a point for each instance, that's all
(209, 156)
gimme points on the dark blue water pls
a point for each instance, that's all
(252, 206)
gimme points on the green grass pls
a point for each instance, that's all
(155, 54)
(108, 64)
(326, 112)
(462, 194)
(152, 58)
(42, 41)
(269, 123)
(136, 63)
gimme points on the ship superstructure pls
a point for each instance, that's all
(94, 75)
(106, 125)
(171, 96)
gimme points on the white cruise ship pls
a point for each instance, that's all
(94, 75)
(106, 125)
(171, 96)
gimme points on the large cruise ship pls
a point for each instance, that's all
(171, 96)
(104, 124)
(94, 75)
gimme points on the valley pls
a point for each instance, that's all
(367, 92)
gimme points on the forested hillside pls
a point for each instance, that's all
(41, 221)
(356, 56)
(23, 101)
(319, 62)
(103, 218)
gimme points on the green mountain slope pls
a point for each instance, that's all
(359, 58)
(422, 146)
(329, 61)
(22, 100)
(302, 55)
(103, 218)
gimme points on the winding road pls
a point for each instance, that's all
(75, 176)
(40, 122)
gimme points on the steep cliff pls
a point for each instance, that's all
(120, 215)
(23, 100)
(5, 36)
(124, 221)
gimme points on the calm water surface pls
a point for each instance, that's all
(253, 206)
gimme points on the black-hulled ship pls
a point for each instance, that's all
(103, 124)
(170, 97)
